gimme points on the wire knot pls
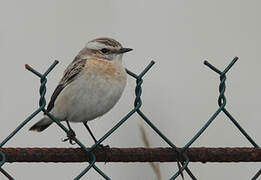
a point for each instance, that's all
(222, 85)
(139, 81)
(222, 88)
(42, 91)
(138, 92)
(43, 80)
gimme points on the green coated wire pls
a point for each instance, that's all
(221, 100)
(202, 130)
(129, 114)
(136, 109)
(240, 128)
(112, 129)
(222, 103)
(137, 106)
(6, 174)
(230, 116)
(92, 162)
(26, 120)
(256, 175)
(42, 103)
(138, 103)
(20, 127)
(184, 166)
(3, 159)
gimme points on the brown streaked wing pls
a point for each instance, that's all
(56, 92)
(71, 72)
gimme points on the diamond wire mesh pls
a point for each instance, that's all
(182, 159)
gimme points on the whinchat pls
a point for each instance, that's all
(91, 85)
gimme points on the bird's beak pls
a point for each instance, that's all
(124, 50)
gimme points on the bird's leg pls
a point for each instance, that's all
(95, 141)
(70, 134)
(105, 148)
(89, 130)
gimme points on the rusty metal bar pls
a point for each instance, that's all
(201, 154)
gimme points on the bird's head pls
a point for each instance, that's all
(106, 49)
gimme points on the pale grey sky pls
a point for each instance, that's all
(179, 92)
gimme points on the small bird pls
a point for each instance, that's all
(91, 85)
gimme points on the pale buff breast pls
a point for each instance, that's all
(112, 72)
(93, 93)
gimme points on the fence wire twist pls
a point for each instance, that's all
(182, 156)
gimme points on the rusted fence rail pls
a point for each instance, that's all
(201, 154)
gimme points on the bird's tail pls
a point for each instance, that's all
(42, 124)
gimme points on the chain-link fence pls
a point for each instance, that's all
(181, 155)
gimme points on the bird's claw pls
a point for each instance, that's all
(106, 149)
(70, 137)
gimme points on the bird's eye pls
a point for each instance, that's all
(105, 50)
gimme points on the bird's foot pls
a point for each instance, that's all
(107, 147)
(106, 150)
(70, 137)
